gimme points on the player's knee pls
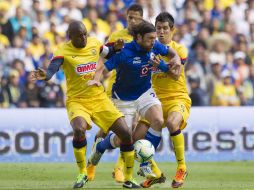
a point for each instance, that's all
(79, 132)
(172, 124)
(157, 123)
(127, 137)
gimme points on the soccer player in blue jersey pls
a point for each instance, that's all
(132, 90)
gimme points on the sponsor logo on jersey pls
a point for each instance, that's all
(136, 60)
(86, 68)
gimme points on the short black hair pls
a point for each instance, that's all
(136, 7)
(143, 28)
(165, 17)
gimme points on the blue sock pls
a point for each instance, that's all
(105, 144)
(154, 137)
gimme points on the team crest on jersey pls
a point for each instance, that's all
(144, 70)
(93, 51)
(152, 55)
(136, 60)
(86, 68)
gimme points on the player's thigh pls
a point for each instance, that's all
(178, 110)
(105, 113)
(149, 105)
(77, 112)
(128, 108)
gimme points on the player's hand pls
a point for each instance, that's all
(175, 66)
(154, 61)
(118, 45)
(93, 83)
(39, 74)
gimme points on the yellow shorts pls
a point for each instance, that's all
(181, 106)
(99, 109)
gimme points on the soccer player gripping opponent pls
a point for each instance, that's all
(173, 94)
(132, 90)
(78, 59)
(134, 17)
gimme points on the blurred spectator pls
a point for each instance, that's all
(21, 20)
(247, 89)
(92, 4)
(198, 96)
(238, 9)
(34, 10)
(93, 17)
(97, 33)
(14, 89)
(30, 96)
(4, 100)
(224, 93)
(241, 67)
(214, 77)
(41, 23)
(53, 13)
(3, 39)
(72, 10)
(5, 24)
(35, 48)
(17, 51)
(51, 95)
(19, 66)
(117, 6)
(113, 22)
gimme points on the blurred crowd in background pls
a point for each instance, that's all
(219, 35)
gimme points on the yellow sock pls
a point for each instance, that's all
(80, 155)
(178, 143)
(119, 162)
(155, 168)
(128, 158)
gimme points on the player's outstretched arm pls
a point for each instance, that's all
(53, 67)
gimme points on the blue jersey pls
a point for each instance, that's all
(133, 72)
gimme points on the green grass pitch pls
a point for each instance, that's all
(202, 175)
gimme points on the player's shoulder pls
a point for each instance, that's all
(63, 49)
(118, 34)
(180, 48)
(92, 41)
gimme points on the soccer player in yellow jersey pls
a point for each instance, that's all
(78, 59)
(176, 103)
(134, 17)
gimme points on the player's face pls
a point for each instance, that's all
(164, 32)
(147, 41)
(133, 19)
(79, 37)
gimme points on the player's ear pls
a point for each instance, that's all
(139, 37)
(68, 34)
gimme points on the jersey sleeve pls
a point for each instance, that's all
(114, 61)
(183, 53)
(161, 49)
(58, 54)
(112, 38)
